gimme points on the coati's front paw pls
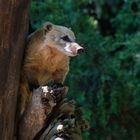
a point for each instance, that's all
(47, 99)
(46, 89)
(53, 92)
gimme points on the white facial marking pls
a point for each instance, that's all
(67, 48)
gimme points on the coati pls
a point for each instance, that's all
(47, 58)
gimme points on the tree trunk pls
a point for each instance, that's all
(13, 31)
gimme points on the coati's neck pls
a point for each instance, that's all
(54, 55)
(47, 57)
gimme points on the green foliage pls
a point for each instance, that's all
(105, 80)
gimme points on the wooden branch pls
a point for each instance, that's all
(50, 116)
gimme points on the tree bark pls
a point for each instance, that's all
(13, 31)
(51, 116)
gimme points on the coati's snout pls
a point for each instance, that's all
(73, 49)
(63, 39)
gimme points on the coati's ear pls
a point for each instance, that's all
(48, 26)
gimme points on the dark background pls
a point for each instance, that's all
(105, 80)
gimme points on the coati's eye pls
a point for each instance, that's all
(66, 38)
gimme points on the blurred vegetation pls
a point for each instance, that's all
(105, 80)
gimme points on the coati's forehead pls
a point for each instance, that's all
(64, 31)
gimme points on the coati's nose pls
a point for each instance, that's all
(81, 50)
